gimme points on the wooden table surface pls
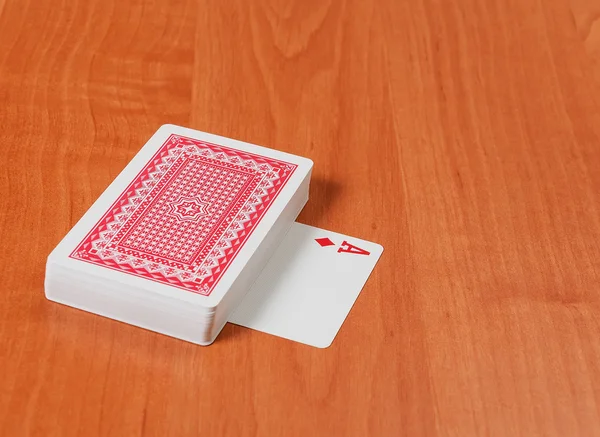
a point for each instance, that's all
(463, 136)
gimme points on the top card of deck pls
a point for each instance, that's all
(183, 209)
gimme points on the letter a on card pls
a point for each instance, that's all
(349, 248)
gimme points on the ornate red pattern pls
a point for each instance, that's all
(185, 216)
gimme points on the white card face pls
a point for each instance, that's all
(309, 285)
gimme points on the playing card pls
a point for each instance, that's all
(186, 214)
(191, 220)
(309, 285)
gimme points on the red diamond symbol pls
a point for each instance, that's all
(324, 242)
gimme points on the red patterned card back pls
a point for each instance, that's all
(186, 215)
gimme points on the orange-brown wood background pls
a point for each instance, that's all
(461, 135)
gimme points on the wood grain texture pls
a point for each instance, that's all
(463, 136)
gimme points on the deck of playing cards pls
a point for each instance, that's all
(176, 241)
(198, 227)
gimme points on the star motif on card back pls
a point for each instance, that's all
(189, 208)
